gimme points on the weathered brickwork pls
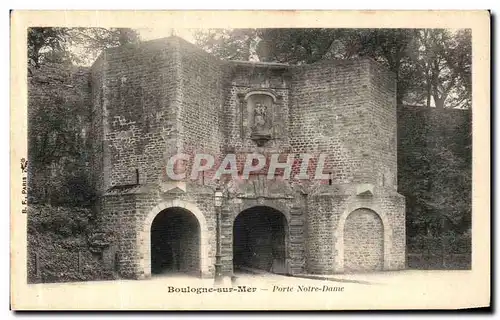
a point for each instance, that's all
(329, 114)
(201, 97)
(383, 126)
(166, 96)
(137, 99)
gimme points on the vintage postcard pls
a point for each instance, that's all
(258, 160)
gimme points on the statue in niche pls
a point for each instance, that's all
(261, 128)
(259, 117)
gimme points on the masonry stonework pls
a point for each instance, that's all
(164, 97)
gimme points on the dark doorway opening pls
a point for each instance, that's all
(259, 240)
(175, 242)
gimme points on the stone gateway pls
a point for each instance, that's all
(166, 97)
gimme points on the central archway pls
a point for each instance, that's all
(260, 240)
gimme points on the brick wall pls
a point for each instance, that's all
(201, 87)
(96, 133)
(118, 213)
(328, 114)
(321, 212)
(136, 98)
(382, 146)
(347, 110)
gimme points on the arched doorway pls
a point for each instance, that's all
(260, 240)
(363, 241)
(175, 242)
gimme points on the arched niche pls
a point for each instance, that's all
(260, 110)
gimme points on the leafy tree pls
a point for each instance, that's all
(229, 44)
(443, 60)
(44, 40)
(388, 46)
(460, 66)
(296, 45)
(74, 45)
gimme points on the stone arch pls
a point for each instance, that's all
(266, 203)
(339, 236)
(253, 92)
(144, 237)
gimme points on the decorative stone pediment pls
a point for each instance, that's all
(172, 186)
(365, 189)
(176, 190)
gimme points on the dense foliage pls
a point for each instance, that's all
(58, 144)
(62, 241)
(435, 176)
